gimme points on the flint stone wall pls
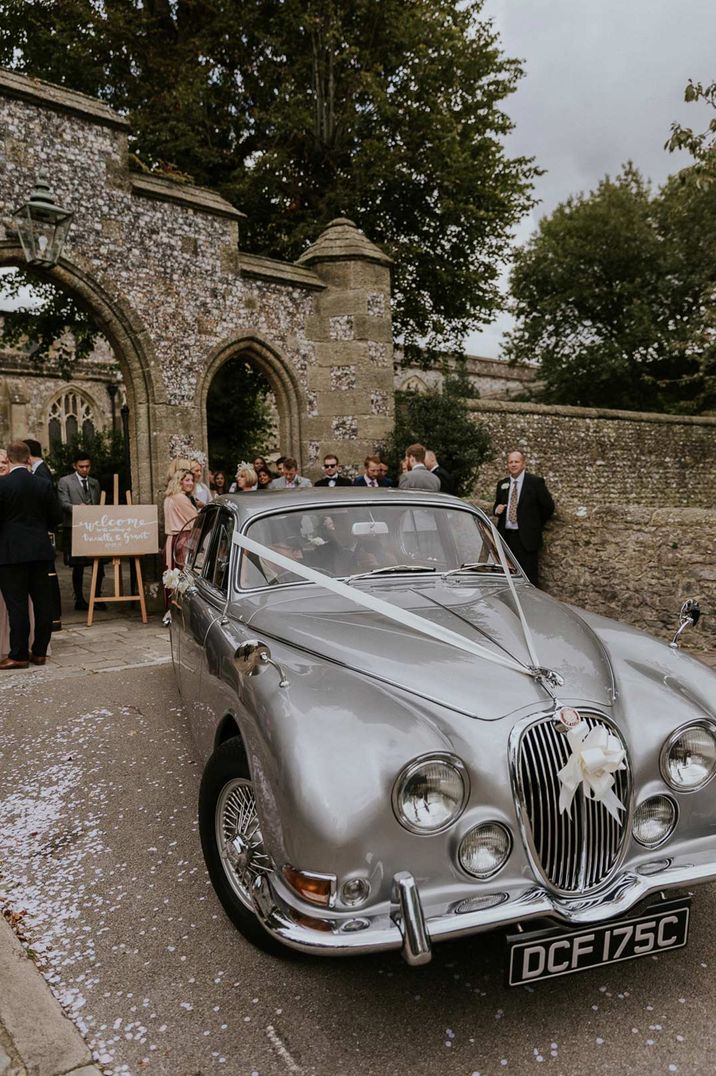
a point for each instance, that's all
(159, 265)
(634, 532)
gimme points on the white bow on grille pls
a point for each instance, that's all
(596, 756)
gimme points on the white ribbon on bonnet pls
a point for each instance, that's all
(596, 756)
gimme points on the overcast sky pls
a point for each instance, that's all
(604, 79)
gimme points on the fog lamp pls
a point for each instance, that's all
(355, 891)
(430, 793)
(485, 849)
(654, 821)
(688, 758)
(315, 888)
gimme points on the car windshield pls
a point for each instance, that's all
(359, 541)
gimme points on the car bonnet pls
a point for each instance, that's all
(331, 627)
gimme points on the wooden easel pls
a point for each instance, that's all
(118, 596)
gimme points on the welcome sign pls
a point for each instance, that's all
(126, 530)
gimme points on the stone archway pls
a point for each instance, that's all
(129, 342)
(284, 385)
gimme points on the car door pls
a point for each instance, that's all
(219, 678)
(195, 613)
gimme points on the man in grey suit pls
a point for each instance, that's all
(290, 479)
(418, 476)
(75, 489)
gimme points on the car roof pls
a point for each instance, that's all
(257, 503)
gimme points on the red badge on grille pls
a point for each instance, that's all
(568, 716)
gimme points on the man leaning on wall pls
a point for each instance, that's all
(523, 504)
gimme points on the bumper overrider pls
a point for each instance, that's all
(406, 927)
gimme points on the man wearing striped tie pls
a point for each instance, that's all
(523, 504)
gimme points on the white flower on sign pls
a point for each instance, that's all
(596, 756)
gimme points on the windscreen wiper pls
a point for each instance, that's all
(478, 567)
(390, 570)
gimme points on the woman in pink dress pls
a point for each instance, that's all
(179, 508)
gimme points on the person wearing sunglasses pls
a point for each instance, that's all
(332, 476)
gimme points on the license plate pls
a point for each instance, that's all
(547, 954)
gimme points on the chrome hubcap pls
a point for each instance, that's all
(239, 840)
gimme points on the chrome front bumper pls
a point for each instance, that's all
(407, 928)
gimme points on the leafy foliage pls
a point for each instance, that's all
(305, 110)
(239, 416)
(612, 297)
(53, 329)
(701, 145)
(440, 420)
(106, 450)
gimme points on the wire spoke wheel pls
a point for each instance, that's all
(238, 838)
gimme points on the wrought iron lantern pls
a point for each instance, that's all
(42, 225)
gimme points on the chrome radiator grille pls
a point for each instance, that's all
(573, 854)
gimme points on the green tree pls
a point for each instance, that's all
(299, 111)
(239, 416)
(610, 293)
(52, 328)
(440, 419)
(700, 144)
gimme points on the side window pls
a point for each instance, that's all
(187, 541)
(204, 540)
(216, 568)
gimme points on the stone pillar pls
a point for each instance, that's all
(350, 387)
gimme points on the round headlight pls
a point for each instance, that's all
(654, 821)
(688, 759)
(430, 793)
(484, 850)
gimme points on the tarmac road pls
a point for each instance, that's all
(101, 865)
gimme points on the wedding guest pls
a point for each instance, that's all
(28, 512)
(76, 489)
(219, 484)
(180, 507)
(41, 470)
(246, 480)
(179, 463)
(260, 463)
(264, 478)
(290, 478)
(202, 493)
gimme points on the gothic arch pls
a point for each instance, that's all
(130, 343)
(284, 385)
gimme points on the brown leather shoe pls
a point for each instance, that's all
(36, 659)
(10, 663)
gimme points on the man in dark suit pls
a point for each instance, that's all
(28, 512)
(372, 475)
(331, 468)
(75, 489)
(40, 469)
(37, 464)
(523, 504)
(431, 462)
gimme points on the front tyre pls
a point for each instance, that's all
(231, 840)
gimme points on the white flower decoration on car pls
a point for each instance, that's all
(596, 756)
(171, 578)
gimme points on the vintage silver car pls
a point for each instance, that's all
(405, 742)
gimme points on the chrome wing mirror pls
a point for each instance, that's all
(688, 617)
(252, 656)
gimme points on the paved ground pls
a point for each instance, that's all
(101, 867)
